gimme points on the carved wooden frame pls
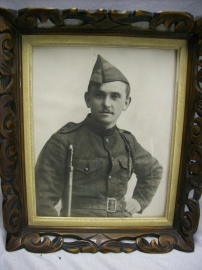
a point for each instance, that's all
(177, 25)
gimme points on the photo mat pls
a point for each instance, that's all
(57, 79)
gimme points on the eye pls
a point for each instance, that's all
(115, 96)
(99, 95)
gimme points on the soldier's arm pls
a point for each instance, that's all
(148, 172)
(49, 176)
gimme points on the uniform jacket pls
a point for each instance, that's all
(103, 163)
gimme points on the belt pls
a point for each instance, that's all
(107, 204)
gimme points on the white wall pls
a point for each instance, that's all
(192, 6)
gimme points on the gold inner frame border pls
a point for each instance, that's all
(180, 93)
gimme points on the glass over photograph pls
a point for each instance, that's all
(102, 130)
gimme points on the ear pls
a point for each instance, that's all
(127, 103)
(87, 99)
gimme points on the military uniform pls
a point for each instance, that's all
(103, 161)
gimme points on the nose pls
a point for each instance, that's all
(107, 101)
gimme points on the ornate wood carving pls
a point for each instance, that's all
(135, 23)
(8, 131)
(99, 20)
(190, 219)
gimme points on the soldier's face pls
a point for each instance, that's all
(107, 102)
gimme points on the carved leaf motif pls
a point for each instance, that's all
(166, 243)
(196, 131)
(71, 16)
(182, 22)
(198, 107)
(195, 159)
(33, 242)
(42, 244)
(130, 18)
(199, 26)
(117, 246)
(199, 53)
(198, 192)
(6, 53)
(28, 18)
(196, 181)
(12, 220)
(189, 223)
(7, 117)
(8, 158)
(80, 246)
(8, 143)
(199, 44)
(10, 16)
(199, 76)
(7, 190)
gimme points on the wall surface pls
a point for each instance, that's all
(61, 260)
(192, 6)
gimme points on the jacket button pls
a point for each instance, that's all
(86, 169)
(110, 177)
(112, 158)
(107, 140)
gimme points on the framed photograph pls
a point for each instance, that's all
(100, 130)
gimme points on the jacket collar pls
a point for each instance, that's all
(96, 128)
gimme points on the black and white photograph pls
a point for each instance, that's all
(101, 147)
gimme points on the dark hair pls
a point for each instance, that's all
(97, 85)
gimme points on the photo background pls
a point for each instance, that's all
(60, 79)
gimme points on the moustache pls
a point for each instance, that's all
(106, 111)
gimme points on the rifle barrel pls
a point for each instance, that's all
(70, 178)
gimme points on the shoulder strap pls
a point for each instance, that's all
(129, 142)
(69, 127)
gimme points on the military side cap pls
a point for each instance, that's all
(104, 72)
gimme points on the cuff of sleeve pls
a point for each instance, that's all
(141, 204)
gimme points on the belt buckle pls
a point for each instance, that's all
(109, 204)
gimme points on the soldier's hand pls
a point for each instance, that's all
(132, 206)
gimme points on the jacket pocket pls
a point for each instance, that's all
(85, 177)
(124, 163)
(86, 166)
(123, 176)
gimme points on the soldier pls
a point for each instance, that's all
(104, 157)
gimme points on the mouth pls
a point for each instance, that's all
(106, 112)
